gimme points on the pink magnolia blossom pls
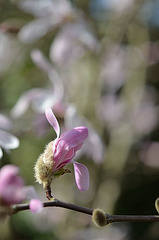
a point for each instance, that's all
(13, 191)
(11, 185)
(65, 148)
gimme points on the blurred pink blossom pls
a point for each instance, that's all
(113, 66)
(117, 64)
(38, 98)
(144, 118)
(111, 109)
(49, 15)
(71, 42)
(144, 115)
(65, 148)
(36, 205)
(11, 185)
(13, 191)
(149, 154)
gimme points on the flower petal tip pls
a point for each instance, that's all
(52, 120)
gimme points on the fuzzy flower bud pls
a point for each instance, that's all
(99, 218)
(157, 204)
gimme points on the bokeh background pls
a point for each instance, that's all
(95, 63)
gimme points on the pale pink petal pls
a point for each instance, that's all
(52, 120)
(36, 205)
(81, 176)
(67, 158)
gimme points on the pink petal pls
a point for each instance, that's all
(81, 176)
(36, 205)
(67, 158)
(68, 140)
(52, 120)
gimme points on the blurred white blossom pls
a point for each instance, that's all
(7, 140)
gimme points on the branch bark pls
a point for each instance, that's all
(109, 218)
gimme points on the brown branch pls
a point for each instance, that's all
(54, 203)
(109, 218)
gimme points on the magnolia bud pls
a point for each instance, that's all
(157, 204)
(44, 169)
(99, 218)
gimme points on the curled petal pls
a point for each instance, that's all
(81, 176)
(72, 139)
(52, 120)
(8, 141)
(36, 205)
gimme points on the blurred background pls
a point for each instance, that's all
(95, 63)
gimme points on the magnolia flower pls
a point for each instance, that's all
(59, 153)
(13, 191)
(11, 185)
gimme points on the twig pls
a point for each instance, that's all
(54, 203)
(89, 211)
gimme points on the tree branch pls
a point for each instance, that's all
(109, 218)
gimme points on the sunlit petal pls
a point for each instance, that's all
(52, 120)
